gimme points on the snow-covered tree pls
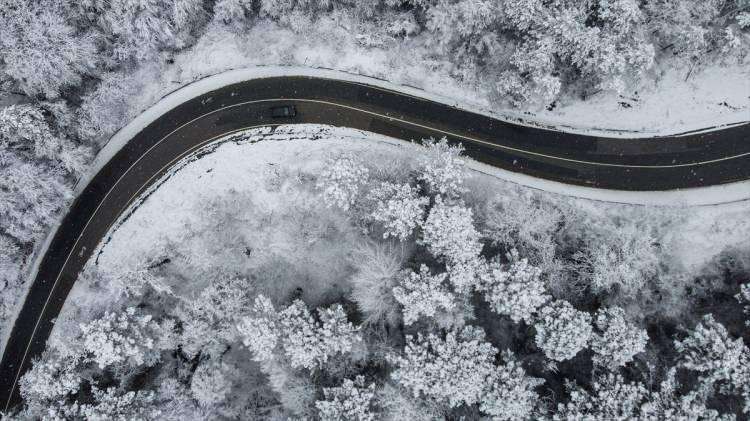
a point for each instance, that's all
(36, 171)
(399, 208)
(526, 224)
(670, 402)
(719, 359)
(617, 340)
(561, 330)
(127, 338)
(442, 168)
(423, 294)
(511, 395)
(341, 180)
(453, 369)
(306, 342)
(351, 401)
(397, 403)
(208, 321)
(624, 258)
(233, 12)
(139, 30)
(112, 405)
(449, 233)
(514, 290)
(109, 106)
(378, 270)
(744, 297)
(53, 378)
(41, 51)
(611, 399)
(209, 385)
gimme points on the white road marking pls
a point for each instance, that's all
(444, 132)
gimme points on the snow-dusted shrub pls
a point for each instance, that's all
(453, 369)
(443, 169)
(611, 399)
(306, 342)
(449, 233)
(617, 340)
(399, 208)
(514, 290)
(124, 338)
(511, 395)
(351, 401)
(378, 267)
(561, 330)
(423, 294)
(341, 179)
(209, 386)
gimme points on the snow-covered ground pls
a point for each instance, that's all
(242, 171)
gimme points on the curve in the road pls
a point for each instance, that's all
(691, 160)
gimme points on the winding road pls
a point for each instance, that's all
(681, 161)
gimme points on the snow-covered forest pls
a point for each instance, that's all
(72, 73)
(320, 273)
(457, 298)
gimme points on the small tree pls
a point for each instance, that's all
(453, 369)
(561, 330)
(341, 179)
(515, 290)
(399, 208)
(618, 340)
(351, 401)
(423, 294)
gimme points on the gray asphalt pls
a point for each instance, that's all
(682, 161)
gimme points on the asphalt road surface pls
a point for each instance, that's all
(689, 160)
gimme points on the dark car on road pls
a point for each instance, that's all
(283, 111)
